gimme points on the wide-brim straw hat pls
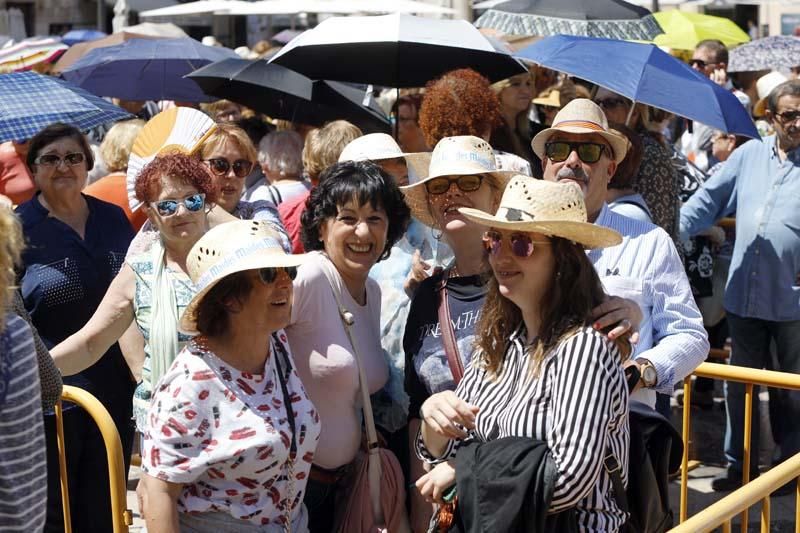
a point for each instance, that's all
(462, 155)
(553, 209)
(581, 116)
(227, 249)
(371, 147)
(764, 86)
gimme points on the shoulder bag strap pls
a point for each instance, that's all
(373, 447)
(613, 468)
(448, 334)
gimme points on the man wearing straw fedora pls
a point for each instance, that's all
(645, 267)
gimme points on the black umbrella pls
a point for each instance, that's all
(284, 94)
(613, 19)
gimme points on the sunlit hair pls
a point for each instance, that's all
(323, 146)
(185, 168)
(566, 306)
(282, 152)
(227, 132)
(117, 144)
(11, 244)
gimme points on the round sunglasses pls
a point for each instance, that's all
(221, 166)
(467, 183)
(270, 274)
(558, 151)
(521, 243)
(192, 203)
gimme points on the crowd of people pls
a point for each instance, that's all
(493, 288)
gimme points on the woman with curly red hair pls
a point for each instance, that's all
(153, 287)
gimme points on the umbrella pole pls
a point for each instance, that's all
(396, 125)
(630, 113)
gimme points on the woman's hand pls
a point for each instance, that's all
(436, 482)
(622, 313)
(444, 412)
(419, 271)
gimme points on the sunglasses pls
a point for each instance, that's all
(441, 185)
(53, 160)
(788, 116)
(167, 208)
(270, 274)
(220, 166)
(611, 103)
(521, 243)
(558, 151)
(699, 63)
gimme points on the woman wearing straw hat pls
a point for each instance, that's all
(222, 452)
(541, 371)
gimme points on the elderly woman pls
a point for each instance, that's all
(231, 432)
(514, 134)
(76, 246)
(352, 220)
(280, 155)
(540, 370)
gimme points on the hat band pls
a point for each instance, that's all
(489, 165)
(580, 124)
(232, 258)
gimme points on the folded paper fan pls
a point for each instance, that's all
(178, 129)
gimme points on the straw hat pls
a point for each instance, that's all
(764, 86)
(549, 98)
(553, 209)
(371, 147)
(229, 248)
(453, 156)
(581, 116)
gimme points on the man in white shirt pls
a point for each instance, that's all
(645, 267)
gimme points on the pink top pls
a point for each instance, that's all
(324, 359)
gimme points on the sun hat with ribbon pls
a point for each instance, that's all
(581, 116)
(453, 156)
(764, 86)
(553, 209)
(227, 249)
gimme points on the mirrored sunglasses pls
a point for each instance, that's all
(467, 183)
(220, 166)
(588, 152)
(167, 208)
(53, 160)
(521, 243)
(270, 274)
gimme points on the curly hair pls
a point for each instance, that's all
(53, 133)
(342, 182)
(323, 146)
(461, 102)
(226, 132)
(574, 290)
(11, 245)
(118, 142)
(184, 167)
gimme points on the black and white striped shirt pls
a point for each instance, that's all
(578, 404)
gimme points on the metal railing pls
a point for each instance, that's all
(121, 517)
(742, 499)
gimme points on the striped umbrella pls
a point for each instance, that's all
(27, 54)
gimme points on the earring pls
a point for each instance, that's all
(437, 234)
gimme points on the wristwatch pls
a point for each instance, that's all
(649, 374)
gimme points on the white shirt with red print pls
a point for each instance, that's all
(225, 436)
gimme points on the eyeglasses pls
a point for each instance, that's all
(699, 63)
(788, 116)
(521, 243)
(220, 166)
(558, 151)
(53, 160)
(268, 275)
(611, 103)
(167, 208)
(467, 183)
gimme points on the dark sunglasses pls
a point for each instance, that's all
(788, 116)
(699, 63)
(611, 103)
(441, 185)
(53, 160)
(167, 208)
(558, 151)
(521, 243)
(270, 274)
(220, 166)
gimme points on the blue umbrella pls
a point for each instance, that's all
(146, 69)
(644, 73)
(80, 36)
(30, 101)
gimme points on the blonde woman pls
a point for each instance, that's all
(515, 133)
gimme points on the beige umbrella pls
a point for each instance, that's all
(165, 30)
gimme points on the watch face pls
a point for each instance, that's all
(649, 375)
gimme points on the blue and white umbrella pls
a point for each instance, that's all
(31, 101)
(81, 36)
(776, 52)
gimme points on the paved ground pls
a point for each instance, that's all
(706, 445)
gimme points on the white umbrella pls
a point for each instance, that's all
(340, 7)
(201, 7)
(166, 29)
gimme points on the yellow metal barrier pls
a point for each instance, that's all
(121, 516)
(750, 377)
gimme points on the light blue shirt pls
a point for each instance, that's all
(647, 269)
(764, 192)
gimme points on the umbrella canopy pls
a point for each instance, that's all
(284, 94)
(644, 73)
(394, 51)
(614, 19)
(683, 30)
(31, 101)
(146, 69)
(276, 7)
(200, 7)
(79, 50)
(773, 52)
(29, 53)
(80, 36)
(165, 30)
